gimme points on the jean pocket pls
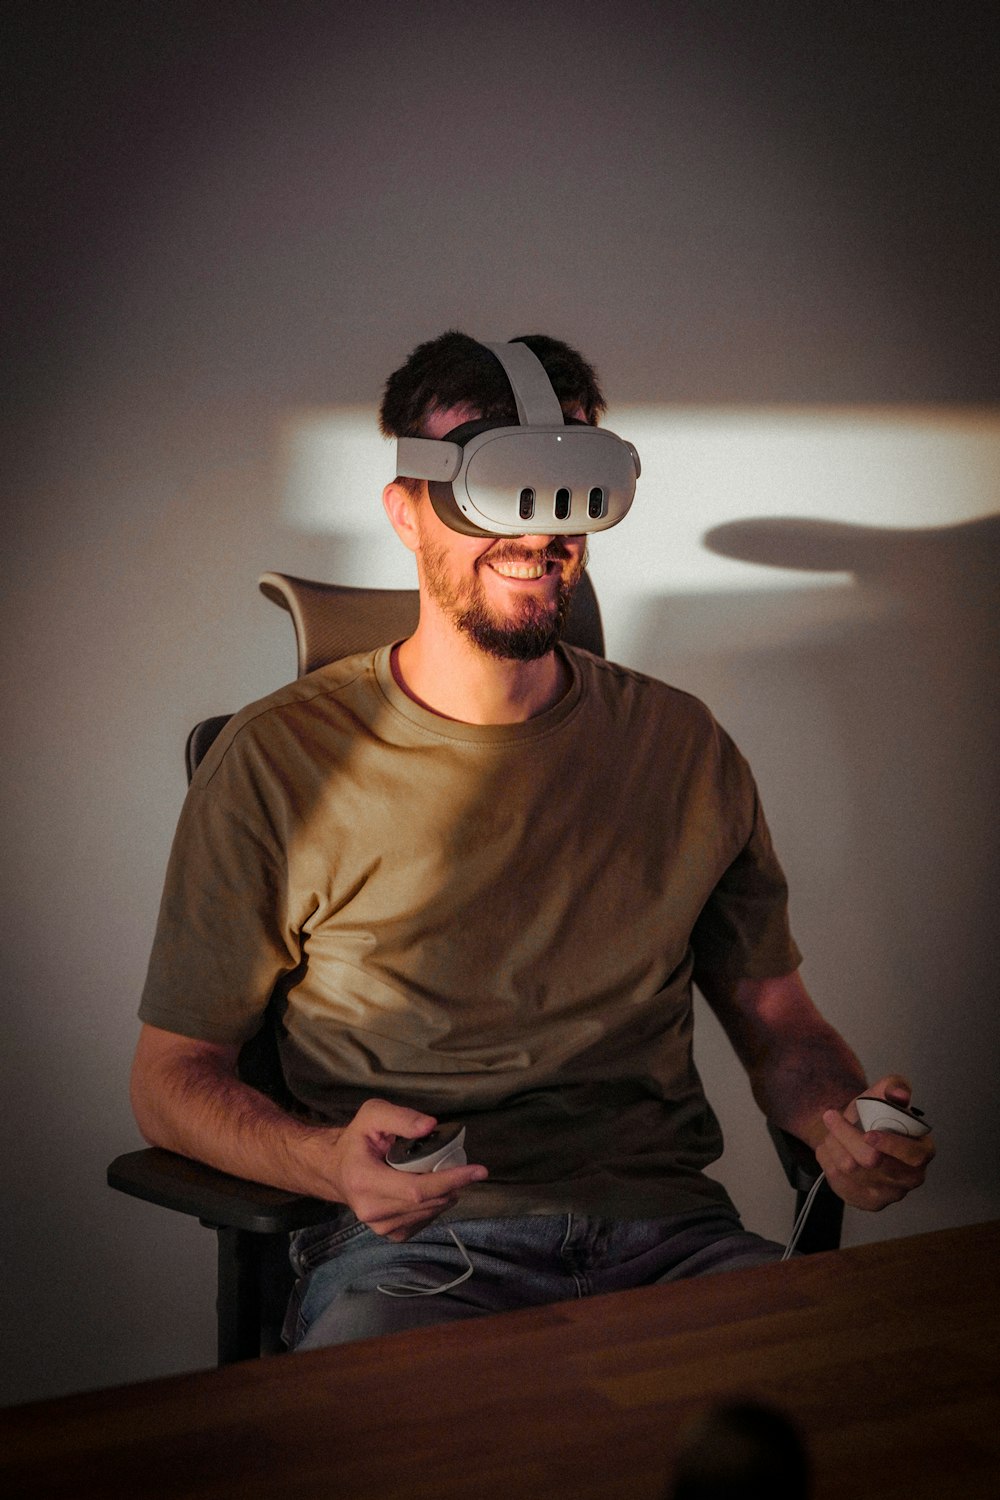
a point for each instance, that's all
(319, 1242)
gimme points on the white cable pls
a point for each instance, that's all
(401, 1289)
(803, 1215)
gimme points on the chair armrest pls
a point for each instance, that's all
(216, 1198)
(800, 1165)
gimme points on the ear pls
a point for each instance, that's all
(400, 507)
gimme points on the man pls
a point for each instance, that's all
(480, 871)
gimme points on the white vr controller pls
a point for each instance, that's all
(443, 1147)
(894, 1119)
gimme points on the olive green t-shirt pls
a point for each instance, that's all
(497, 924)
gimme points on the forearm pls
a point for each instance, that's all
(795, 1081)
(189, 1099)
(805, 1079)
(797, 1063)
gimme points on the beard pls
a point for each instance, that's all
(530, 629)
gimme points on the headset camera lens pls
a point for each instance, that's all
(562, 504)
(595, 503)
(526, 505)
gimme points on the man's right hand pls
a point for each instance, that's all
(188, 1098)
(392, 1204)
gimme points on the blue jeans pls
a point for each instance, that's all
(518, 1262)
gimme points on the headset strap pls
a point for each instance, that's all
(428, 458)
(537, 406)
(537, 403)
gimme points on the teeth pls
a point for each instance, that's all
(519, 570)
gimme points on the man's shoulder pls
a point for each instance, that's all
(331, 694)
(625, 689)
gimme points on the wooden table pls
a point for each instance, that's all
(886, 1357)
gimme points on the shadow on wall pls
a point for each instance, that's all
(871, 714)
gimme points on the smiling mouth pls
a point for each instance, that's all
(520, 569)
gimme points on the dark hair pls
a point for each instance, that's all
(455, 370)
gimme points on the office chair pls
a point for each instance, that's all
(253, 1221)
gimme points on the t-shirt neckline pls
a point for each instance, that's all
(454, 729)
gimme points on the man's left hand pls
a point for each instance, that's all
(870, 1170)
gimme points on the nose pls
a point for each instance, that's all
(536, 540)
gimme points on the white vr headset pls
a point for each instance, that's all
(550, 475)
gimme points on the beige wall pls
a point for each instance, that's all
(774, 237)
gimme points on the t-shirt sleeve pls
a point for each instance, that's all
(224, 934)
(743, 930)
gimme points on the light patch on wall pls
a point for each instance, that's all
(702, 467)
(335, 465)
